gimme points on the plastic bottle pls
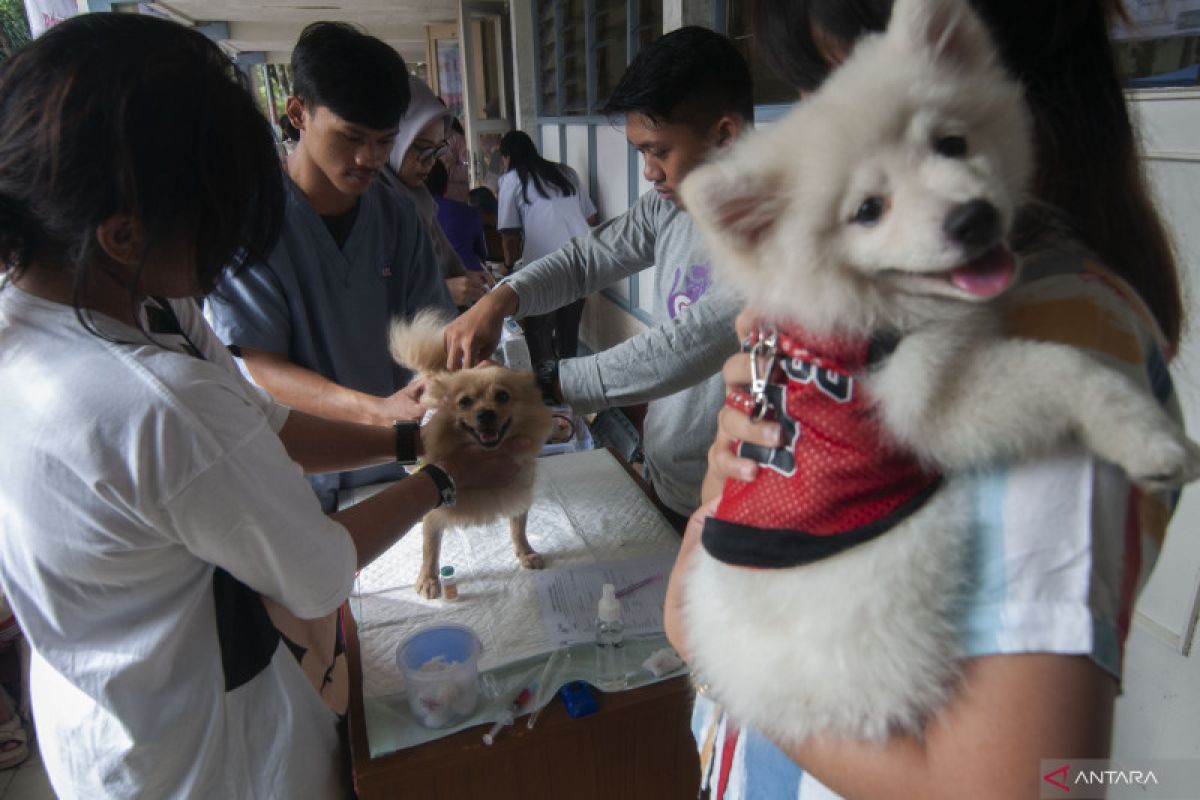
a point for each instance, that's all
(449, 583)
(610, 642)
(513, 346)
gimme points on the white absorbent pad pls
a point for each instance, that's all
(587, 509)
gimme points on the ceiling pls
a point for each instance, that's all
(272, 26)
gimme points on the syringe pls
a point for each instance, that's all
(518, 704)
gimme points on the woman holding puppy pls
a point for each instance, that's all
(152, 497)
(1058, 548)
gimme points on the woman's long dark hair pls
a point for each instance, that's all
(1088, 163)
(525, 159)
(119, 113)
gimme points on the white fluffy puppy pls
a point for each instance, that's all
(871, 225)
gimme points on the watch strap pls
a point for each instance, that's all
(406, 440)
(447, 491)
(546, 374)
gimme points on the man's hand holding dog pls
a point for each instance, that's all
(406, 403)
(465, 290)
(474, 335)
(733, 426)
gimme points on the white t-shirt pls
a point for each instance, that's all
(146, 500)
(548, 222)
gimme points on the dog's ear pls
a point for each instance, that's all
(735, 201)
(948, 30)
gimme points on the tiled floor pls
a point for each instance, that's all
(28, 781)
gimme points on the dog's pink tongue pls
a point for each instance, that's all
(986, 276)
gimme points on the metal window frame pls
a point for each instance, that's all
(632, 13)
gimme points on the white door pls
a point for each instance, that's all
(488, 86)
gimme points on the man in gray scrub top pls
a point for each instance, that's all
(310, 322)
(685, 96)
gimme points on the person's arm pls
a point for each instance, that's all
(512, 242)
(376, 523)
(1010, 711)
(658, 362)
(614, 250)
(465, 290)
(322, 445)
(465, 287)
(310, 392)
(510, 220)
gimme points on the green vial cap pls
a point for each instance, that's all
(447, 572)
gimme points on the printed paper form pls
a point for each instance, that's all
(568, 597)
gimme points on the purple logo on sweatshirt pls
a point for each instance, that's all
(687, 287)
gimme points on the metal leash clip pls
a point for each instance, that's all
(762, 362)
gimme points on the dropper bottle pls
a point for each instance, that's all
(610, 642)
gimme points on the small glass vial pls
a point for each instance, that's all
(610, 642)
(449, 583)
(514, 347)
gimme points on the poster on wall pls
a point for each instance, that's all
(1160, 19)
(44, 14)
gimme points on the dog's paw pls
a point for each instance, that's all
(428, 587)
(1166, 460)
(531, 560)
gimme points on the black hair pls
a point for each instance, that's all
(691, 75)
(524, 158)
(484, 199)
(356, 76)
(438, 178)
(1088, 163)
(110, 114)
(287, 129)
(790, 35)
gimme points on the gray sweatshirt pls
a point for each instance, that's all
(674, 365)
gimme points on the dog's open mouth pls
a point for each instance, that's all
(488, 438)
(987, 275)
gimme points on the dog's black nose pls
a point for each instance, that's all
(486, 418)
(974, 223)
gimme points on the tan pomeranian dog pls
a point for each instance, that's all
(477, 408)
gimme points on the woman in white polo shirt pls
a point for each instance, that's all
(542, 206)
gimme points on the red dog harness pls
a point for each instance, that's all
(837, 482)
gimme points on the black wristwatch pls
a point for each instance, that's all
(447, 492)
(406, 440)
(546, 373)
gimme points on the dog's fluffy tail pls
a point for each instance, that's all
(418, 343)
